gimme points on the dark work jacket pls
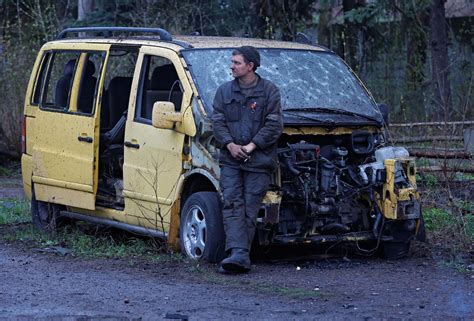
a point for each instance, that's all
(231, 118)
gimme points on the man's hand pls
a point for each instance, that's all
(237, 151)
(249, 148)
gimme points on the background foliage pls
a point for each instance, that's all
(390, 44)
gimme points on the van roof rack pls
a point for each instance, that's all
(109, 31)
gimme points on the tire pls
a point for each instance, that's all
(402, 232)
(202, 231)
(421, 235)
(395, 250)
(44, 215)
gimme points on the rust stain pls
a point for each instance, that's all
(173, 233)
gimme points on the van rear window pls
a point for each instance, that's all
(68, 81)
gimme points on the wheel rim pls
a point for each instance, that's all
(194, 233)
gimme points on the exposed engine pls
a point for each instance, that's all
(329, 188)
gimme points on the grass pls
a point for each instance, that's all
(442, 222)
(14, 211)
(82, 239)
(103, 243)
(451, 232)
(6, 172)
(9, 168)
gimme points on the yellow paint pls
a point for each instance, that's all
(272, 197)
(81, 64)
(53, 194)
(164, 115)
(152, 172)
(147, 197)
(65, 170)
(119, 216)
(62, 184)
(26, 170)
(173, 233)
(390, 197)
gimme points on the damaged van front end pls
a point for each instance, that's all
(338, 179)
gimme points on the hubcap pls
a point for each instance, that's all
(194, 236)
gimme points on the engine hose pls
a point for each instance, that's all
(291, 167)
(378, 220)
(306, 195)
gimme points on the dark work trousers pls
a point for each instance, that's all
(243, 193)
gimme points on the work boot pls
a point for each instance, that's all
(237, 262)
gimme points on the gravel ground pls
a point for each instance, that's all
(39, 285)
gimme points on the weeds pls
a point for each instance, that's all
(448, 207)
(449, 220)
(81, 240)
(14, 211)
(105, 245)
(442, 223)
(6, 172)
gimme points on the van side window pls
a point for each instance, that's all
(159, 82)
(40, 79)
(71, 81)
(57, 90)
(88, 83)
(117, 86)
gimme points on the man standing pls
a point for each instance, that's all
(247, 122)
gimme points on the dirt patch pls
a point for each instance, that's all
(11, 185)
(11, 188)
(41, 284)
(38, 284)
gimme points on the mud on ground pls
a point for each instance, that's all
(35, 284)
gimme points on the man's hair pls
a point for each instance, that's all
(250, 55)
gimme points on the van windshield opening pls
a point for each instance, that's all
(308, 79)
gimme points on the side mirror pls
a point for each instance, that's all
(384, 111)
(164, 116)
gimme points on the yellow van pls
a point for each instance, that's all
(117, 132)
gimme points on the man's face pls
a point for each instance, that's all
(239, 67)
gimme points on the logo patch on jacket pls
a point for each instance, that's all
(253, 106)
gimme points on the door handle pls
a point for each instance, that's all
(86, 139)
(131, 145)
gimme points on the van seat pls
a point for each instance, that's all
(118, 96)
(163, 79)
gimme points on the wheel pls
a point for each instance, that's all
(202, 231)
(401, 232)
(395, 250)
(45, 216)
(421, 235)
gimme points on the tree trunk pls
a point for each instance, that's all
(324, 33)
(84, 9)
(440, 60)
(415, 22)
(353, 36)
(416, 38)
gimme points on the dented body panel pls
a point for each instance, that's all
(330, 185)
